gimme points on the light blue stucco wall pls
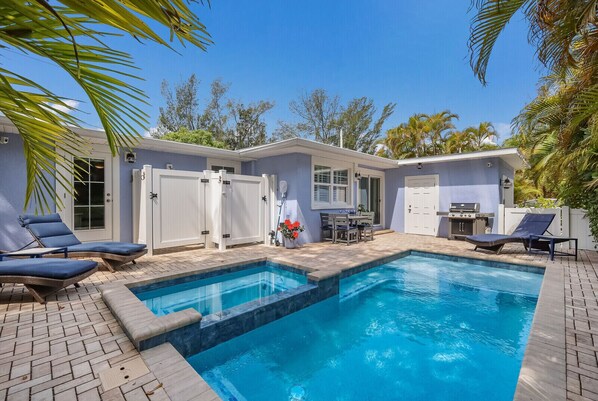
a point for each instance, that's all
(464, 181)
(296, 170)
(13, 180)
(157, 160)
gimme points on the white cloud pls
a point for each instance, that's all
(148, 133)
(68, 106)
(503, 130)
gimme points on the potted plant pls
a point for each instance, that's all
(290, 232)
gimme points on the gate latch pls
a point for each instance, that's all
(264, 198)
(153, 195)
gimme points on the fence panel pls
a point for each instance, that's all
(567, 223)
(580, 228)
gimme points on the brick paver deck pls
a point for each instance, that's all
(55, 351)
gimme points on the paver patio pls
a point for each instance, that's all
(55, 351)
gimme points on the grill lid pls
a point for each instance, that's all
(465, 207)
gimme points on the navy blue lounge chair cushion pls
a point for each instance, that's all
(117, 248)
(49, 230)
(52, 232)
(59, 269)
(490, 237)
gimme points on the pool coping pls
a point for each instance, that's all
(542, 375)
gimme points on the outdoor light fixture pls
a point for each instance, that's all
(419, 166)
(3, 140)
(169, 166)
(357, 175)
(506, 183)
(130, 157)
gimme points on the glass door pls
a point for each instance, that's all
(92, 201)
(370, 196)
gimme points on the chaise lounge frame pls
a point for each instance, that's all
(41, 287)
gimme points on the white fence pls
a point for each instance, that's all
(567, 223)
(174, 208)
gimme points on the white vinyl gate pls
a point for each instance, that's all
(178, 208)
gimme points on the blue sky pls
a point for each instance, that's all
(413, 53)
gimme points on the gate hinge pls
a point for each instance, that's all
(205, 232)
(204, 180)
(226, 182)
(225, 235)
(153, 195)
(264, 198)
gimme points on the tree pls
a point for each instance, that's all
(318, 113)
(73, 36)
(215, 115)
(196, 137)
(439, 125)
(483, 136)
(561, 124)
(285, 131)
(248, 128)
(181, 111)
(356, 120)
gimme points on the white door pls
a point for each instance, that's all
(88, 213)
(178, 208)
(421, 204)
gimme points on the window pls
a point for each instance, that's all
(331, 185)
(89, 208)
(230, 170)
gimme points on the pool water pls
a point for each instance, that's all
(415, 329)
(215, 294)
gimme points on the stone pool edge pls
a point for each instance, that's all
(543, 373)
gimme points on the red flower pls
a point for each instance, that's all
(287, 222)
(296, 224)
(295, 234)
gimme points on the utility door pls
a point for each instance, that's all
(421, 204)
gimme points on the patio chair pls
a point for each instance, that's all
(43, 277)
(343, 231)
(366, 227)
(530, 224)
(325, 227)
(49, 231)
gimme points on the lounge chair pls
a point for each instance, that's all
(49, 231)
(44, 277)
(530, 224)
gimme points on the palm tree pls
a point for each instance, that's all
(438, 125)
(561, 124)
(458, 142)
(71, 35)
(483, 136)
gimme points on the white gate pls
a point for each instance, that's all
(178, 208)
(240, 204)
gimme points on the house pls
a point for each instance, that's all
(405, 194)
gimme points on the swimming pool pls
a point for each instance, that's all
(222, 292)
(414, 328)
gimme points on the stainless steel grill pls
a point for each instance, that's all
(465, 219)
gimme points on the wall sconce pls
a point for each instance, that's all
(357, 175)
(169, 166)
(506, 183)
(419, 166)
(130, 157)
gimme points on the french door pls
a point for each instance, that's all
(88, 212)
(371, 197)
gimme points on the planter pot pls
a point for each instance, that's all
(290, 244)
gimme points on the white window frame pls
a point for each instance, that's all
(334, 165)
(226, 163)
